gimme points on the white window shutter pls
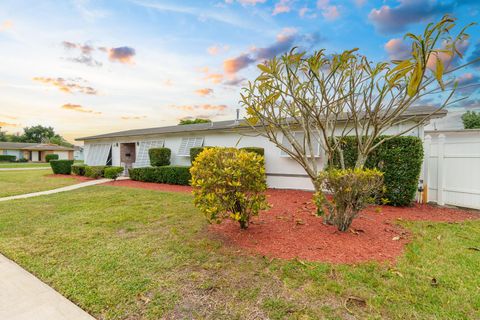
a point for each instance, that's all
(188, 143)
(97, 154)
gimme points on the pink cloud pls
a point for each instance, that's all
(283, 6)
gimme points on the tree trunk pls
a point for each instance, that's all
(361, 159)
(243, 224)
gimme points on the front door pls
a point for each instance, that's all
(127, 155)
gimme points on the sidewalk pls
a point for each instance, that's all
(25, 297)
(63, 189)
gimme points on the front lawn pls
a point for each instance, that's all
(29, 164)
(20, 182)
(139, 254)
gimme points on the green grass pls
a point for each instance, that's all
(28, 164)
(20, 182)
(138, 254)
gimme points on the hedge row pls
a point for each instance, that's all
(50, 157)
(166, 174)
(7, 158)
(97, 172)
(400, 159)
(61, 166)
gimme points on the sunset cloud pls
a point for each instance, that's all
(215, 78)
(204, 92)
(75, 85)
(282, 6)
(202, 107)
(78, 108)
(216, 49)
(233, 65)
(329, 12)
(389, 19)
(121, 54)
(5, 25)
(397, 49)
(8, 124)
(246, 2)
(133, 117)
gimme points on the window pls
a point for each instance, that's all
(98, 154)
(143, 159)
(300, 138)
(187, 144)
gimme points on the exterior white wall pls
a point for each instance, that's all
(35, 157)
(282, 172)
(452, 167)
(62, 155)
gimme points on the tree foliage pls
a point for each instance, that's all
(471, 120)
(36, 134)
(229, 183)
(194, 121)
(327, 97)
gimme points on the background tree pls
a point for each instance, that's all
(38, 134)
(194, 121)
(3, 135)
(471, 120)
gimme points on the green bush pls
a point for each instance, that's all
(22, 160)
(257, 150)
(7, 158)
(351, 190)
(61, 166)
(50, 157)
(95, 172)
(400, 159)
(79, 169)
(113, 172)
(194, 152)
(167, 174)
(471, 120)
(229, 183)
(159, 157)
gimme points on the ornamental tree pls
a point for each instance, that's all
(327, 97)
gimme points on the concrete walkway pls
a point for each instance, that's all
(23, 169)
(25, 297)
(58, 190)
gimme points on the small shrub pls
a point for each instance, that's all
(229, 183)
(79, 169)
(352, 190)
(95, 172)
(257, 150)
(400, 159)
(167, 174)
(7, 158)
(50, 157)
(159, 156)
(113, 172)
(61, 166)
(471, 120)
(194, 152)
(22, 160)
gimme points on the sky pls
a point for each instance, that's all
(90, 67)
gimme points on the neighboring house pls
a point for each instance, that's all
(452, 121)
(35, 152)
(130, 148)
(78, 153)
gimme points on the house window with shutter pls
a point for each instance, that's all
(143, 157)
(300, 139)
(98, 154)
(187, 144)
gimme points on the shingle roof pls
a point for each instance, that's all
(419, 111)
(32, 146)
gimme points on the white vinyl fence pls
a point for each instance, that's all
(451, 170)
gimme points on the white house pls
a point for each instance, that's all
(130, 148)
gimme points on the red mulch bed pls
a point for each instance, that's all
(290, 229)
(78, 178)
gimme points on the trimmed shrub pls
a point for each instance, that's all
(22, 160)
(400, 159)
(167, 174)
(351, 189)
(7, 158)
(257, 150)
(95, 172)
(229, 183)
(113, 172)
(159, 156)
(79, 169)
(194, 152)
(61, 166)
(50, 157)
